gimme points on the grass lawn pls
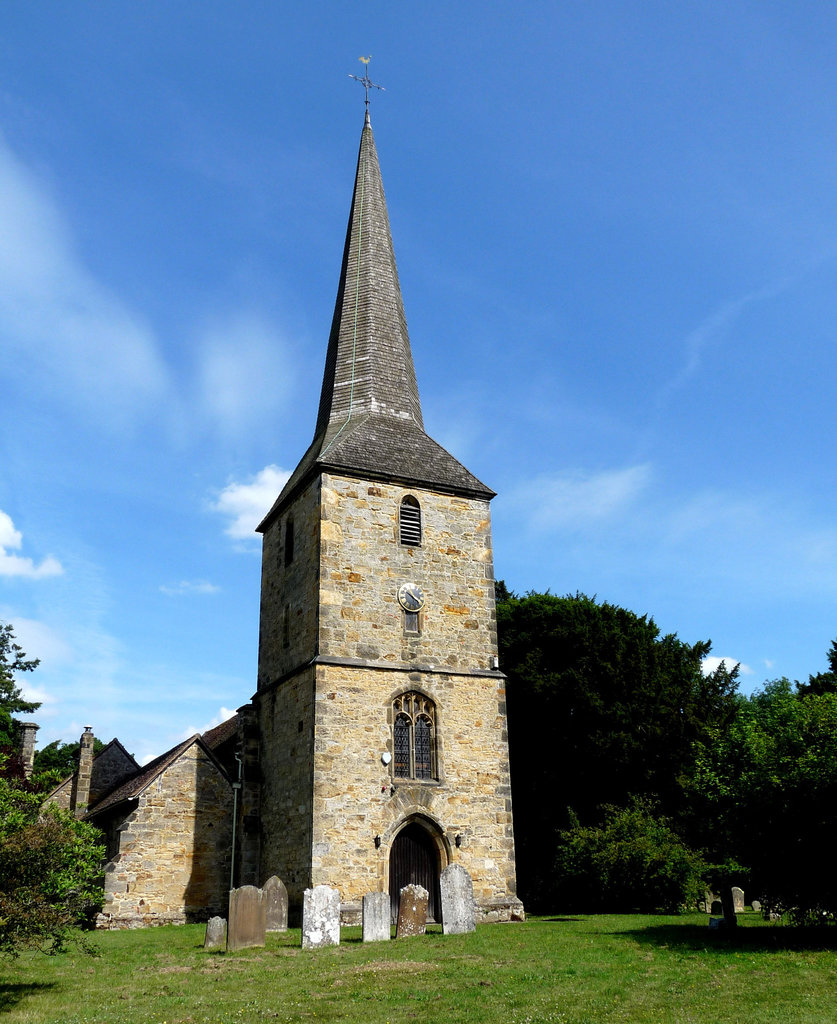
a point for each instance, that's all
(553, 970)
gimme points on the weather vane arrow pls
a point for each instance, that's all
(366, 81)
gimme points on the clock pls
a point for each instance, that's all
(411, 597)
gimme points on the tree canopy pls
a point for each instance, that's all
(602, 708)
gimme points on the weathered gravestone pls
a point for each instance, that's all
(716, 908)
(412, 911)
(247, 920)
(756, 905)
(216, 933)
(738, 899)
(708, 899)
(458, 915)
(376, 913)
(320, 917)
(276, 904)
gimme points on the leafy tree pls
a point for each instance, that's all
(769, 788)
(50, 871)
(601, 708)
(633, 861)
(12, 660)
(61, 759)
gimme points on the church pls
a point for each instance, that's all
(374, 752)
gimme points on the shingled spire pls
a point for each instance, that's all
(369, 422)
(369, 365)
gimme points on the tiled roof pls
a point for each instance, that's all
(369, 421)
(221, 733)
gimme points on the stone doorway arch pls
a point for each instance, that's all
(416, 856)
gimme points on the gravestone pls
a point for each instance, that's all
(320, 917)
(756, 905)
(376, 911)
(276, 904)
(716, 908)
(216, 933)
(412, 911)
(738, 899)
(458, 915)
(247, 918)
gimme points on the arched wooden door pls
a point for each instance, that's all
(414, 858)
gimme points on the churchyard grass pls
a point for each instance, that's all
(579, 970)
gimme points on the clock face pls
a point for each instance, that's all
(411, 597)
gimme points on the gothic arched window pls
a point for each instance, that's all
(409, 522)
(413, 737)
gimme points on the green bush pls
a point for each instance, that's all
(50, 871)
(632, 861)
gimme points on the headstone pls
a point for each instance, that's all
(756, 905)
(458, 916)
(376, 911)
(738, 899)
(716, 923)
(412, 911)
(247, 918)
(716, 908)
(320, 917)
(216, 933)
(708, 899)
(276, 904)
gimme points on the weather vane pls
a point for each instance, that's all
(366, 81)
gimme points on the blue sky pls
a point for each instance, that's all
(616, 231)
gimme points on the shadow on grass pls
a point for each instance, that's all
(766, 939)
(11, 995)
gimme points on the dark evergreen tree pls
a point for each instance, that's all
(601, 708)
(12, 660)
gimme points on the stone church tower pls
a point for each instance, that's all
(380, 714)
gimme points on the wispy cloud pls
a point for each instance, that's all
(190, 587)
(64, 328)
(244, 373)
(246, 504)
(222, 715)
(18, 565)
(577, 500)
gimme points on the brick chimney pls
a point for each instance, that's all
(80, 795)
(27, 745)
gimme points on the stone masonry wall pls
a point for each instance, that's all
(357, 798)
(110, 768)
(173, 859)
(292, 587)
(286, 717)
(363, 563)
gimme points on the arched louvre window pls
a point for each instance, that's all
(414, 737)
(409, 522)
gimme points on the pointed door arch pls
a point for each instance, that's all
(414, 857)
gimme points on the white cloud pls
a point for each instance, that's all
(575, 500)
(248, 503)
(222, 715)
(190, 587)
(712, 662)
(67, 332)
(16, 565)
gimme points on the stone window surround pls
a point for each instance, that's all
(410, 528)
(436, 776)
